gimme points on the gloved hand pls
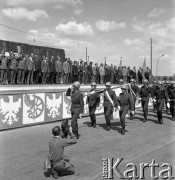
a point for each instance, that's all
(168, 105)
(132, 112)
(80, 116)
(119, 108)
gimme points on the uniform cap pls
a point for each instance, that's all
(132, 80)
(121, 80)
(108, 84)
(76, 84)
(93, 84)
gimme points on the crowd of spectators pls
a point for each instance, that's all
(32, 69)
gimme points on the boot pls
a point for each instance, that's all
(91, 124)
(173, 118)
(144, 119)
(123, 131)
(94, 125)
(108, 128)
(161, 121)
(131, 116)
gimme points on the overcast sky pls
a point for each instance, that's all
(109, 28)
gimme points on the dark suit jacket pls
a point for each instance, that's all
(77, 105)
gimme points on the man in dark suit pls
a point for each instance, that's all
(93, 100)
(110, 103)
(126, 103)
(77, 106)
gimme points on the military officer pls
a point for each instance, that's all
(110, 103)
(154, 86)
(171, 95)
(93, 100)
(145, 92)
(77, 106)
(134, 94)
(125, 103)
(160, 95)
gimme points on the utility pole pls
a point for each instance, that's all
(86, 54)
(151, 57)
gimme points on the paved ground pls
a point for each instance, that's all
(23, 151)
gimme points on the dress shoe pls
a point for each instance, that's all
(123, 131)
(108, 128)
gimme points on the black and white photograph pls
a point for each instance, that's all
(87, 89)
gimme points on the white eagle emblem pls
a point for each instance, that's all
(53, 105)
(9, 110)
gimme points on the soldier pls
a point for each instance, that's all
(58, 69)
(30, 68)
(134, 94)
(13, 67)
(65, 71)
(154, 86)
(144, 93)
(3, 69)
(44, 69)
(126, 103)
(21, 69)
(93, 100)
(160, 95)
(110, 103)
(51, 68)
(77, 105)
(171, 94)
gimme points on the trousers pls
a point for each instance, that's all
(145, 102)
(107, 112)
(92, 110)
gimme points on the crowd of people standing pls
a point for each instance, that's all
(33, 69)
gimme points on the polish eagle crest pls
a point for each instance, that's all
(9, 110)
(53, 105)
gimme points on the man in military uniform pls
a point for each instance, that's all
(171, 94)
(154, 86)
(110, 103)
(77, 105)
(160, 95)
(144, 93)
(134, 94)
(93, 100)
(126, 103)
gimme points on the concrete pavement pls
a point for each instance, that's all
(23, 151)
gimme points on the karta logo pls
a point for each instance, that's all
(112, 168)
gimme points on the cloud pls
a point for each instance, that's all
(46, 38)
(59, 6)
(23, 13)
(72, 28)
(109, 25)
(35, 3)
(155, 13)
(130, 42)
(78, 11)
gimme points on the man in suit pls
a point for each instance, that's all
(44, 69)
(93, 100)
(126, 103)
(110, 103)
(58, 69)
(30, 68)
(77, 105)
